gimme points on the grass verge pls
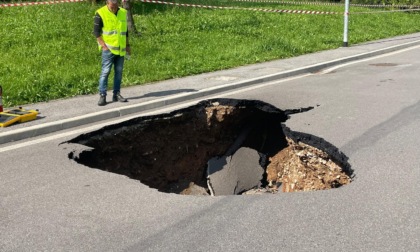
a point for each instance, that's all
(50, 52)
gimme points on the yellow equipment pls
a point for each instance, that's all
(9, 117)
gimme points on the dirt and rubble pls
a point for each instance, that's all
(301, 167)
(170, 152)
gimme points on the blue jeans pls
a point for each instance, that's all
(109, 59)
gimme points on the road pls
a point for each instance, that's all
(369, 109)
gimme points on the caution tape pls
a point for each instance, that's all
(390, 11)
(37, 3)
(240, 8)
(329, 3)
(286, 2)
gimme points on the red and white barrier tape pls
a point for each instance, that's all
(38, 3)
(240, 8)
(287, 2)
(390, 11)
(329, 3)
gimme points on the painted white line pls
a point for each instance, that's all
(270, 79)
(328, 70)
(153, 112)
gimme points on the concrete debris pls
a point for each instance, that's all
(235, 174)
(301, 167)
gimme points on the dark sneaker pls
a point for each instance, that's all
(118, 97)
(102, 100)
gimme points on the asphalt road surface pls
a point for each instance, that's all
(370, 110)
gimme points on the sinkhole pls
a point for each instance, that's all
(216, 147)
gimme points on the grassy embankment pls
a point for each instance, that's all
(49, 51)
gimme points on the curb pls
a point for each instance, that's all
(38, 130)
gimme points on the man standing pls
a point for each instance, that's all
(110, 30)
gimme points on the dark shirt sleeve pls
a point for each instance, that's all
(98, 24)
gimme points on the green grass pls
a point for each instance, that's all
(49, 51)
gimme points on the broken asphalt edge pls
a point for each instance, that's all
(64, 124)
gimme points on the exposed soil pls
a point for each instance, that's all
(301, 167)
(170, 152)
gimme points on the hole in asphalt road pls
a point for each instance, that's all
(216, 147)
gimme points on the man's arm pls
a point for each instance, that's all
(97, 31)
(127, 45)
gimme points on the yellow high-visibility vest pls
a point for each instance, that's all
(114, 32)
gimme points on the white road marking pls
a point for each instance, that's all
(154, 112)
(328, 70)
(183, 105)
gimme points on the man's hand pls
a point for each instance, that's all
(101, 42)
